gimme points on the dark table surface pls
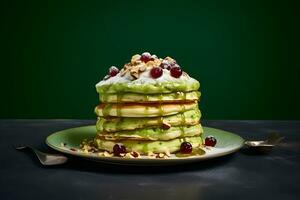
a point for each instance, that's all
(241, 175)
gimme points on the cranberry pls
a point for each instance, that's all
(186, 148)
(156, 72)
(210, 141)
(176, 71)
(145, 57)
(118, 149)
(165, 65)
(113, 71)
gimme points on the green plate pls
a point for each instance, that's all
(227, 143)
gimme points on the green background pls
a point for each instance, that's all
(244, 53)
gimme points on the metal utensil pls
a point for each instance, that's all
(45, 158)
(265, 145)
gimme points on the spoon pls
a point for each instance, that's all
(265, 145)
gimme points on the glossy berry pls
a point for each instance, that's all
(113, 71)
(156, 72)
(145, 57)
(176, 71)
(118, 149)
(186, 148)
(210, 141)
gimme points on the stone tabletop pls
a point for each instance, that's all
(243, 175)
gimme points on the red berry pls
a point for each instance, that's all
(145, 57)
(156, 72)
(113, 71)
(118, 149)
(186, 148)
(210, 141)
(176, 71)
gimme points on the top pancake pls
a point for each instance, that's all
(136, 77)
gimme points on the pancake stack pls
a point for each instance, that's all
(149, 106)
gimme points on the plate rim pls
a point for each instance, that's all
(135, 160)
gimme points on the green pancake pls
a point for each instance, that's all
(176, 85)
(144, 147)
(136, 97)
(143, 110)
(113, 124)
(155, 133)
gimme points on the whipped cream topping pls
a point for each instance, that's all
(144, 76)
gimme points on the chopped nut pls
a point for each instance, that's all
(128, 155)
(123, 72)
(161, 155)
(127, 66)
(169, 58)
(154, 56)
(107, 154)
(150, 63)
(101, 154)
(142, 68)
(122, 154)
(85, 151)
(168, 153)
(135, 69)
(135, 154)
(166, 126)
(135, 75)
(157, 62)
(135, 58)
(151, 155)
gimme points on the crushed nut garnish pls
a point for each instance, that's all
(135, 154)
(136, 66)
(161, 155)
(168, 153)
(166, 126)
(135, 58)
(107, 154)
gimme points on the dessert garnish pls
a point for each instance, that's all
(156, 72)
(186, 148)
(176, 71)
(119, 149)
(210, 141)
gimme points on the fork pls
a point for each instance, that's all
(44, 158)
